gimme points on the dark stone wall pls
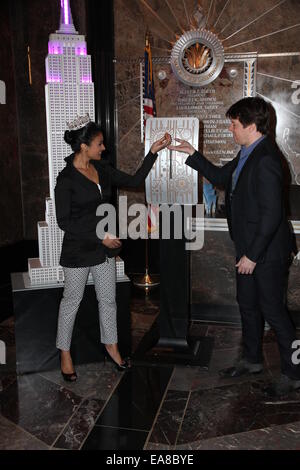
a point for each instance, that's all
(229, 21)
(266, 27)
(10, 188)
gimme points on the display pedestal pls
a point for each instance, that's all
(36, 313)
(168, 341)
(155, 349)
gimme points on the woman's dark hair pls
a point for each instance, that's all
(85, 135)
(251, 111)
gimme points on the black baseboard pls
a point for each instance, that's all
(14, 258)
(216, 313)
(226, 314)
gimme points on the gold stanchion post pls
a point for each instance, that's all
(146, 281)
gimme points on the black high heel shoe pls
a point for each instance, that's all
(68, 377)
(125, 365)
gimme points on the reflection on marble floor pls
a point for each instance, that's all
(157, 408)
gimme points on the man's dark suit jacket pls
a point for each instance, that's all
(255, 208)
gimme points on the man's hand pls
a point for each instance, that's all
(111, 241)
(161, 143)
(184, 147)
(245, 265)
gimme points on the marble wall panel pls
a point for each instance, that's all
(293, 291)
(129, 146)
(259, 35)
(235, 22)
(213, 274)
(277, 82)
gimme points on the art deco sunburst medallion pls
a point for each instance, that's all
(197, 57)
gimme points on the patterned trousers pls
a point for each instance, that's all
(104, 276)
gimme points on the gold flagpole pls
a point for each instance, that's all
(29, 66)
(146, 282)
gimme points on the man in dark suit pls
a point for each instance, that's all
(262, 238)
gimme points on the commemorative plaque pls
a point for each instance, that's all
(171, 181)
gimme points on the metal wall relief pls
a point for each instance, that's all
(197, 58)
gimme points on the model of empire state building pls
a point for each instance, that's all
(69, 92)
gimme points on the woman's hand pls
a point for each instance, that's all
(111, 241)
(161, 143)
(184, 147)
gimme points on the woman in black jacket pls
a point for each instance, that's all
(81, 186)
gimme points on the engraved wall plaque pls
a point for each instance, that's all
(171, 181)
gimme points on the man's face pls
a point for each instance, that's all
(241, 134)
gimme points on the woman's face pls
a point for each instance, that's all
(96, 147)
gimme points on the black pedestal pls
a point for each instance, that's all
(36, 313)
(168, 340)
(185, 350)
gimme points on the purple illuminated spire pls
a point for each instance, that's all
(66, 21)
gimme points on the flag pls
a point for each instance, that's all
(149, 96)
(153, 220)
(149, 108)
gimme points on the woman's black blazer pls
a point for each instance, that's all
(76, 202)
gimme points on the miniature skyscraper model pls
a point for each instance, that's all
(69, 92)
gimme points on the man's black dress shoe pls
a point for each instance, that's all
(283, 386)
(242, 368)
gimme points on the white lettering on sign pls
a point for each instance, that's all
(296, 94)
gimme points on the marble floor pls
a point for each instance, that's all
(161, 407)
